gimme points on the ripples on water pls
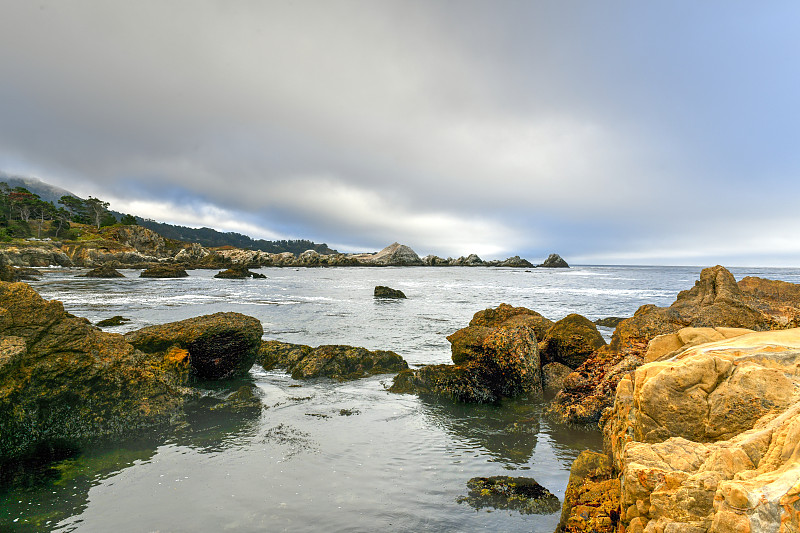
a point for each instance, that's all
(324, 455)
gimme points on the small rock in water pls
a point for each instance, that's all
(521, 494)
(113, 321)
(382, 291)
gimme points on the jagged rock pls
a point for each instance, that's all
(40, 255)
(218, 346)
(503, 363)
(333, 361)
(516, 262)
(309, 258)
(239, 272)
(193, 254)
(570, 341)
(521, 494)
(164, 271)
(470, 260)
(715, 301)
(63, 381)
(434, 260)
(381, 291)
(707, 440)
(139, 238)
(591, 501)
(11, 274)
(609, 322)
(104, 271)
(553, 375)
(554, 261)
(116, 320)
(394, 255)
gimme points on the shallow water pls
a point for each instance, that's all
(320, 454)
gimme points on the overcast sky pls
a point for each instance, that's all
(609, 132)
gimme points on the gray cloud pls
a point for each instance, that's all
(621, 132)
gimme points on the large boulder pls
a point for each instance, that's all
(382, 291)
(164, 271)
(339, 362)
(554, 261)
(63, 381)
(591, 500)
(217, 346)
(715, 301)
(570, 341)
(708, 440)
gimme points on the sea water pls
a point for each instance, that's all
(323, 455)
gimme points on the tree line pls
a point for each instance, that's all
(23, 214)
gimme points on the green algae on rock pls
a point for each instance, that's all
(340, 362)
(115, 320)
(521, 494)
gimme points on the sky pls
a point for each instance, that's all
(616, 132)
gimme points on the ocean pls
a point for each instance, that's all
(324, 455)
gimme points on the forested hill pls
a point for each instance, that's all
(211, 237)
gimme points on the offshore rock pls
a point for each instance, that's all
(554, 261)
(381, 291)
(239, 272)
(218, 346)
(104, 271)
(470, 260)
(521, 494)
(116, 320)
(708, 440)
(515, 262)
(339, 362)
(570, 341)
(63, 381)
(496, 356)
(716, 301)
(164, 271)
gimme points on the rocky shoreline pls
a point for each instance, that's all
(139, 247)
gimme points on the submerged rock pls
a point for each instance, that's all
(340, 362)
(521, 494)
(104, 271)
(116, 320)
(218, 346)
(63, 381)
(164, 271)
(554, 261)
(382, 291)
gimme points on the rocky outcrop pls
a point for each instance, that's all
(104, 271)
(62, 381)
(395, 254)
(239, 272)
(522, 494)
(192, 254)
(570, 341)
(218, 346)
(496, 356)
(716, 301)
(515, 262)
(141, 239)
(707, 440)
(35, 255)
(591, 501)
(554, 261)
(381, 291)
(164, 271)
(339, 362)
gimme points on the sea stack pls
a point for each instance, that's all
(554, 261)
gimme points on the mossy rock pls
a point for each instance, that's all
(381, 291)
(113, 321)
(571, 341)
(521, 494)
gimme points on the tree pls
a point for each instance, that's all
(60, 220)
(97, 209)
(128, 220)
(77, 208)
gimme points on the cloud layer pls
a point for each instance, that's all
(621, 132)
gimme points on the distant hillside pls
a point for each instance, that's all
(211, 237)
(204, 236)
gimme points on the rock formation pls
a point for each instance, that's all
(570, 341)
(104, 271)
(707, 440)
(239, 272)
(381, 291)
(554, 261)
(522, 494)
(333, 361)
(164, 271)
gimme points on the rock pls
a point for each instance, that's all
(11, 273)
(521, 494)
(591, 501)
(716, 301)
(570, 341)
(141, 239)
(39, 255)
(194, 254)
(164, 271)
(707, 440)
(382, 291)
(609, 322)
(663, 346)
(434, 260)
(502, 363)
(394, 255)
(239, 272)
(103, 271)
(339, 362)
(553, 375)
(515, 262)
(554, 261)
(63, 381)
(470, 260)
(218, 346)
(113, 321)
(506, 315)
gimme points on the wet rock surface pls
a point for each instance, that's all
(104, 271)
(339, 362)
(239, 272)
(381, 291)
(165, 271)
(522, 494)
